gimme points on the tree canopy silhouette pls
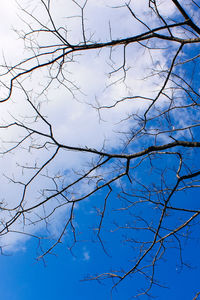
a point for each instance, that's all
(100, 132)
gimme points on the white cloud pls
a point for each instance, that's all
(86, 255)
(75, 122)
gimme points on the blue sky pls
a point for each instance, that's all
(78, 123)
(22, 277)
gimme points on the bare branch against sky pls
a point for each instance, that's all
(100, 132)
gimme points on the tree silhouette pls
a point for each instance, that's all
(103, 113)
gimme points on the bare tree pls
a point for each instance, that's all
(139, 178)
